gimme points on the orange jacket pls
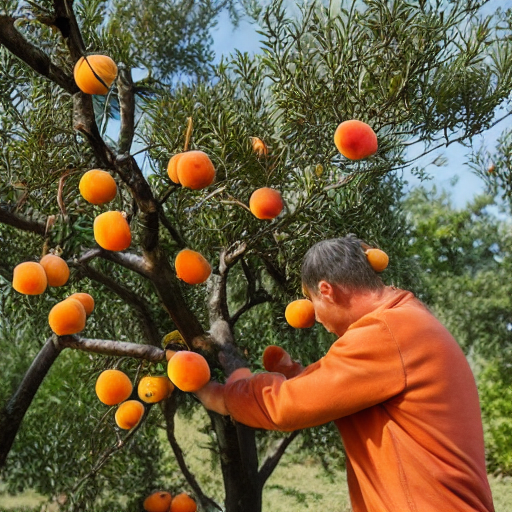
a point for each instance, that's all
(404, 399)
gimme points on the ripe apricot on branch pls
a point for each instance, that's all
(113, 387)
(103, 66)
(188, 371)
(259, 147)
(183, 503)
(86, 300)
(154, 389)
(172, 169)
(266, 203)
(29, 278)
(195, 170)
(159, 501)
(192, 267)
(112, 231)
(67, 317)
(57, 270)
(97, 186)
(129, 414)
(300, 314)
(355, 139)
(378, 259)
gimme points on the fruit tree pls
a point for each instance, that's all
(175, 249)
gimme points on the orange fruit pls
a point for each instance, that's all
(97, 186)
(29, 278)
(378, 259)
(192, 267)
(172, 169)
(67, 317)
(195, 170)
(266, 203)
(57, 270)
(86, 300)
(154, 389)
(129, 414)
(85, 78)
(112, 231)
(300, 314)
(159, 501)
(183, 503)
(188, 371)
(113, 387)
(355, 139)
(258, 146)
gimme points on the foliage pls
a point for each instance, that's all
(419, 73)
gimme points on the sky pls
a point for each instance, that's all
(454, 176)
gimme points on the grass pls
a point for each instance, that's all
(295, 484)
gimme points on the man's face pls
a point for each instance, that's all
(324, 309)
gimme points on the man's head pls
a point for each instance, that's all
(339, 261)
(340, 282)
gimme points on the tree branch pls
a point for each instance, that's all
(21, 222)
(33, 56)
(271, 462)
(170, 407)
(151, 333)
(13, 413)
(112, 348)
(125, 259)
(126, 97)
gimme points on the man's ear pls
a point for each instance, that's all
(326, 290)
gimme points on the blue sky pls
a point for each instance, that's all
(246, 39)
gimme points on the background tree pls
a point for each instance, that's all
(419, 73)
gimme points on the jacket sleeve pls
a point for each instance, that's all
(362, 368)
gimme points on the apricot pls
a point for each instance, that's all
(192, 267)
(266, 203)
(129, 414)
(86, 79)
(355, 139)
(86, 300)
(378, 259)
(188, 371)
(113, 387)
(29, 278)
(57, 270)
(259, 147)
(195, 170)
(183, 503)
(112, 231)
(154, 389)
(159, 501)
(67, 317)
(300, 314)
(97, 186)
(172, 169)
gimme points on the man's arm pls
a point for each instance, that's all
(363, 368)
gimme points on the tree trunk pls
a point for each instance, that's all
(13, 413)
(239, 462)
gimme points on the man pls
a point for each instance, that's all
(396, 384)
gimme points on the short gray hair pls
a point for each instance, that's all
(339, 261)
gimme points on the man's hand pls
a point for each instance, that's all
(276, 359)
(212, 395)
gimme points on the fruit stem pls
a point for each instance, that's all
(188, 133)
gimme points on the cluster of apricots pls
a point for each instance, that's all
(114, 387)
(163, 501)
(188, 371)
(32, 278)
